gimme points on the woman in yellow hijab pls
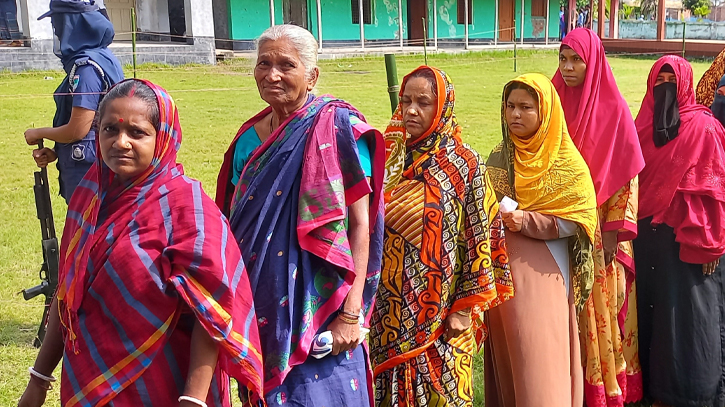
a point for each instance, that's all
(533, 355)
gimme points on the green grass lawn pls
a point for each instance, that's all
(213, 103)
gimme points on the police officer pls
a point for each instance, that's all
(82, 36)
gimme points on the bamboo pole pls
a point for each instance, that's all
(515, 53)
(425, 42)
(393, 88)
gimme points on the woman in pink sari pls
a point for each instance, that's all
(602, 128)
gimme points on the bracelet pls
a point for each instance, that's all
(464, 313)
(41, 376)
(192, 400)
(45, 385)
(349, 314)
(344, 318)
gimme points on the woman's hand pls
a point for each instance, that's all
(44, 156)
(33, 396)
(514, 221)
(48, 358)
(457, 323)
(344, 336)
(709, 268)
(611, 246)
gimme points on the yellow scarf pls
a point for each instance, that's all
(551, 176)
(547, 174)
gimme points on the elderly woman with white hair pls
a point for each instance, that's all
(302, 186)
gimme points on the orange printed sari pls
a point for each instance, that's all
(444, 252)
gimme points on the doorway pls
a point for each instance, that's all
(177, 21)
(506, 23)
(417, 13)
(119, 12)
(295, 12)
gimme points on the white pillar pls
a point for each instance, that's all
(319, 25)
(400, 22)
(522, 21)
(495, 24)
(199, 18)
(21, 19)
(546, 41)
(271, 12)
(465, 21)
(435, 24)
(362, 23)
(32, 28)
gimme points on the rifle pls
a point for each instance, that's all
(49, 270)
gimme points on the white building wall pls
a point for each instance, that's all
(153, 15)
(32, 28)
(199, 18)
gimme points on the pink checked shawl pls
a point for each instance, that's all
(140, 262)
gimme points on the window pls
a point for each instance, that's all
(462, 12)
(538, 8)
(367, 12)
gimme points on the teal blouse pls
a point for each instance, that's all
(249, 141)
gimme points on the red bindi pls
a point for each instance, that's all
(120, 120)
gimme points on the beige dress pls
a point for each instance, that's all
(533, 356)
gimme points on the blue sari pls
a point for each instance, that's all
(289, 216)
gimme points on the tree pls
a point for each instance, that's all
(699, 8)
(701, 11)
(626, 12)
(648, 7)
(580, 4)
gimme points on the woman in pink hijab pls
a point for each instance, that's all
(602, 128)
(681, 244)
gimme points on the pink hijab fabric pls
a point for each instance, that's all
(683, 183)
(599, 119)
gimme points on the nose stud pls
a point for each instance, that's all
(127, 145)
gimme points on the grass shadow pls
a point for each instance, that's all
(17, 333)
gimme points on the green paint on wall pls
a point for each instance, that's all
(481, 26)
(337, 20)
(250, 18)
(540, 24)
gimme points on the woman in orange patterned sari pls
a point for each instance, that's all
(444, 258)
(708, 84)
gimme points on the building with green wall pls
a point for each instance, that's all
(241, 21)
